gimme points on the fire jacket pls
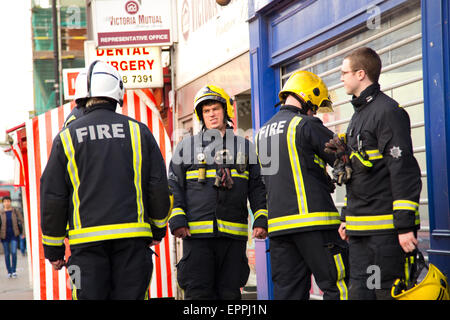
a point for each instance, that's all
(290, 147)
(209, 211)
(105, 179)
(382, 195)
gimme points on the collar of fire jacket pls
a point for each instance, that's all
(366, 96)
(109, 106)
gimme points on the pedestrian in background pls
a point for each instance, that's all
(11, 227)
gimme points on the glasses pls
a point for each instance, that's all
(343, 73)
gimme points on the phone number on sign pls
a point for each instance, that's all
(137, 79)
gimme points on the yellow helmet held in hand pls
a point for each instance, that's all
(310, 88)
(433, 287)
(216, 93)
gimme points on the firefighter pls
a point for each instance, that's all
(80, 99)
(211, 175)
(381, 216)
(105, 181)
(303, 220)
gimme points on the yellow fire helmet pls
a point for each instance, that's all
(216, 93)
(433, 287)
(310, 88)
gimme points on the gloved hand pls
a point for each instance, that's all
(337, 146)
(223, 178)
(342, 170)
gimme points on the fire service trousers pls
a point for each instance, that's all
(111, 270)
(376, 262)
(213, 268)
(294, 257)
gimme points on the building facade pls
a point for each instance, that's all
(412, 38)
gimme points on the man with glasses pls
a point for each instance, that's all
(381, 216)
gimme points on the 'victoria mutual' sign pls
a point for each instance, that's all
(130, 23)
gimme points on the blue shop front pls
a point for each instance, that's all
(412, 39)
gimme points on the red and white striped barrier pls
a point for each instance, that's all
(49, 284)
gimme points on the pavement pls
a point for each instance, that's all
(20, 287)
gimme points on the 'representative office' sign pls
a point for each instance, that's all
(130, 23)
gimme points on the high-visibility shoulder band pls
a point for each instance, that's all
(319, 161)
(52, 241)
(374, 154)
(259, 213)
(72, 169)
(304, 220)
(135, 134)
(176, 212)
(340, 281)
(211, 173)
(405, 205)
(238, 229)
(373, 223)
(295, 165)
(196, 227)
(72, 117)
(109, 232)
(159, 223)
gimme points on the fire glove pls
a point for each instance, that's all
(342, 170)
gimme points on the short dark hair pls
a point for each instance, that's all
(366, 59)
(6, 198)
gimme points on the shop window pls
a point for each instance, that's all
(398, 41)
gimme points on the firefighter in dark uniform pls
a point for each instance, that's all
(211, 175)
(303, 220)
(381, 217)
(105, 187)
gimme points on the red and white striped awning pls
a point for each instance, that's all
(49, 284)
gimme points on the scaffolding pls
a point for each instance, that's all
(73, 32)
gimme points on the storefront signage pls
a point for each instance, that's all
(132, 23)
(140, 67)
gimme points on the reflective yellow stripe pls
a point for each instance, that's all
(193, 174)
(163, 222)
(374, 154)
(261, 212)
(109, 232)
(302, 221)
(405, 205)
(363, 223)
(295, 166)
(135, 133)
(340, 282)
(176, 212)
(378, 222)
(366, 163)
(243, 175)
(52, 241)
(201, 227)
(319, 161)
(72, 169)
(72, 117)
(238, 229)
(159, 223)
